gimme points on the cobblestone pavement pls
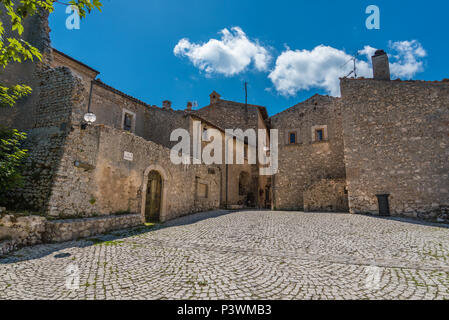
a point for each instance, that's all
(241, 255)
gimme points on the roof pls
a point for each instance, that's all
(306, 102)
(262, 109)
(74, 60)
(187, 113)
(397, 80)
(107, 87)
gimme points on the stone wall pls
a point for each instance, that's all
(36, 32)
(60, 95)
(307, 161)
(159, 124)
(231, 115)
(396, 137)
(66, 230)
(326, 195)
(105, 183)
(16, 232)
(83, 71)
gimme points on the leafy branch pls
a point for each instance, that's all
(15, 49)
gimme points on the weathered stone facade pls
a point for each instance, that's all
(66, 230)
(396, 137)
(106, 183)
(335, 154)
(16, 232)
(306, 160)
(327, 195)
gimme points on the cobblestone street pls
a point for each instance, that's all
(241, 255)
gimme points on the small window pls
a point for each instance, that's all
(319, 135)
(128, 122)
(292, 138)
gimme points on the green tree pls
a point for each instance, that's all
(15, 49)
(11, 158)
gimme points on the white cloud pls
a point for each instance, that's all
(368, 52)
(408, 58)
(230, 55)
(322, 66)
(319, 68)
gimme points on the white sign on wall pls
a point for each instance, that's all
(128, 156)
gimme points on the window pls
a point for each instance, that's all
(128, 122)
(319, 135)
(292, 138)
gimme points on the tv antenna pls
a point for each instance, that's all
(354, 60)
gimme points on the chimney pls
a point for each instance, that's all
(166, 105)
(189, 106)
(381, 66)
(214, 97)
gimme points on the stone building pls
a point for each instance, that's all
(343, 154)
(311, 167)
(396, 137)
(253, 187)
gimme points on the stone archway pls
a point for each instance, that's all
(163, 196)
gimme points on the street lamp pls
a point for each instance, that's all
(89, 117)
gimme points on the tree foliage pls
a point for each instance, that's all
(11, 158)
(16, 49)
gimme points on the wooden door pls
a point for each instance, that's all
(154, 197)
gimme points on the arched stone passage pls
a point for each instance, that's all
(246, 190)
(164, 186)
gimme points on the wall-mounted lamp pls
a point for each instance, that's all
(89, 117)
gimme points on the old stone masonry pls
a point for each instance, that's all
(241, 255)
(380, 149)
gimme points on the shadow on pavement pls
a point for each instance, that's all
(46, 249)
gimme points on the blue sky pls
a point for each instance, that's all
(286, 50)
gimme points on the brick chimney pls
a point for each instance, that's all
(189, 106)
(214, 97)
(166, 105)
(381, 66)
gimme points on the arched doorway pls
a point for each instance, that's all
(246, 192)
(153, 202)
(162, 200)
